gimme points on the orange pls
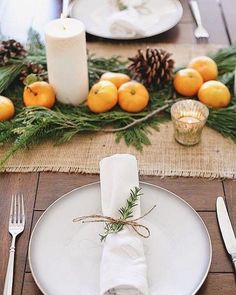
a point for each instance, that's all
(206, 67)
(116, 78)
(214, 94)
(133, 97)
(39, 93)
(102, 97)
(7, 109)
(187, 82)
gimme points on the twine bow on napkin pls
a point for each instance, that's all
(117, 224)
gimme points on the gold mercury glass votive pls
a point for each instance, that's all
(189, 117)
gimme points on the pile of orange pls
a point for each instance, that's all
(199, 79)
(116, 88)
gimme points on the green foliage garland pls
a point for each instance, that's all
(34, 125)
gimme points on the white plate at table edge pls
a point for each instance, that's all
(141, 182)
(179, 15)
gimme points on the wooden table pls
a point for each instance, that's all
(41, 189)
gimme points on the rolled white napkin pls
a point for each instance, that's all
(126, 23)
(123, 266)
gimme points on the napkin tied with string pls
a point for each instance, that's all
(123, 269)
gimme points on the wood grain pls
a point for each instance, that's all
(51, 188)
(215, 284)
(220, 260)
(213, 21)
(219, 284)
(40, 191)
(187, 16)
(36, 216)
(230, 192)
(11, 184)
(200, 193)
(229, 11)
(29, 287)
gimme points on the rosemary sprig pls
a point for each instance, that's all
(126, 212)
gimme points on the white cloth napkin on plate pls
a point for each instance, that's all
(123, 269)
(126, 24)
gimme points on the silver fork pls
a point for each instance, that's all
(200, 31)
(16, 226)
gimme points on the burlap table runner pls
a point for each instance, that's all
(213, 157)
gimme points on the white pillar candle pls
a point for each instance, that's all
(67, 60)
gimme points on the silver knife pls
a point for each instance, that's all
(226, 229)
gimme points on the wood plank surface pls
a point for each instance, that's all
(51, 187)
(229, 12)
(220, 260)
(35, 218)
(11, 184)
(213, 21)
(215, 284)
(219, 284)
(200, 193)
(40, 190)
(230, 192)
(187, 16)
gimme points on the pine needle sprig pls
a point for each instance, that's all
(126, 212)
(36, 124)
(224, 121)
(8, 74)
(98, 66)
(225, 59)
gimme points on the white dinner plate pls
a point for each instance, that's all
(156, 17)
(65, 256)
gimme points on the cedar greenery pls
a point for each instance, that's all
(34, 125)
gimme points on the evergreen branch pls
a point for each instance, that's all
(138, 121)
(126, 212)
(33, 125)
(7, 75)
(223, 120)
(225, 59)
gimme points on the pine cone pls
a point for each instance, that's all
(32, 68)
(9, 49)
(154, 67)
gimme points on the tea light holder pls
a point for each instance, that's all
(189, 117)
